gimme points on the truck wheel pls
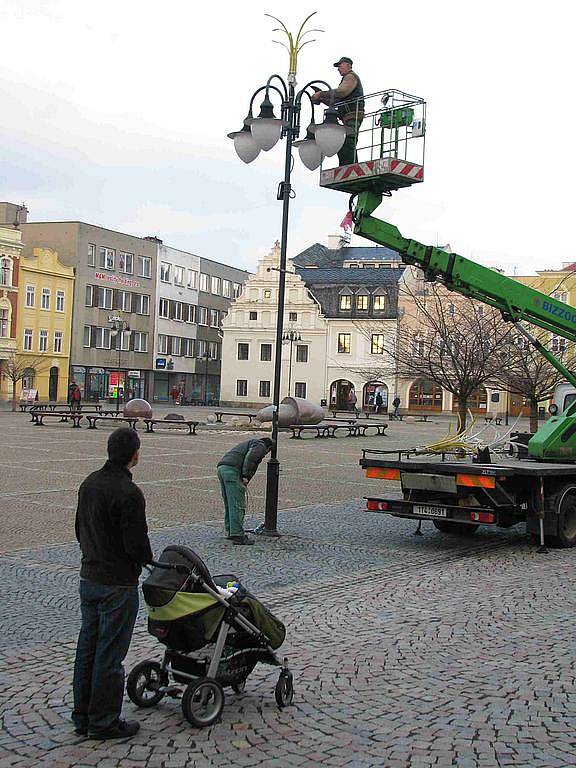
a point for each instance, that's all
(458, 529)
(566, 510)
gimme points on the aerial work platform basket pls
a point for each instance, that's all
(390, 148)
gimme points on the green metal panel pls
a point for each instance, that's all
(397, 118)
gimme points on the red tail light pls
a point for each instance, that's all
(374, 505)
(482, 517)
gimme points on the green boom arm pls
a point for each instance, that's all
(516, 301)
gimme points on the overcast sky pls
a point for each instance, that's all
(116, 113)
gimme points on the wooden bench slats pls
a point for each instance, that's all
(191, 425)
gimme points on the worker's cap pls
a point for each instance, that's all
(343, 60)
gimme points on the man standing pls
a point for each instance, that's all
(113, 535)
(235, 470)
(349, 99)
(396, 406)
(74, 396)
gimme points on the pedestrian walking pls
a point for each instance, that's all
(352, 401)
(396, 407)
(379, 401)
(235, 470)
(113, 535)
(74, 396)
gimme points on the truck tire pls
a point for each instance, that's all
(457, 529)
(565, 509)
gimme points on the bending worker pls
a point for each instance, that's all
(349, 100)
(235, 470)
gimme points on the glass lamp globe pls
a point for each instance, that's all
(330, 137)
(310, 153)
(266, 131)
(245, 146)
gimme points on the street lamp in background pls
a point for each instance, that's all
(118, 327)
(290, 337)
(206, 357)
(261, 134)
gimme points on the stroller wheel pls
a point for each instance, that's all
(144, 682)
(284, 691)
(203, 702)
(239, 687)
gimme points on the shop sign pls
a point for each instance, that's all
(116, 279)
(134, 374)
(160, 362)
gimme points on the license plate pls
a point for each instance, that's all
(423, 509)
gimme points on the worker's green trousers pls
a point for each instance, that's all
(234, 495)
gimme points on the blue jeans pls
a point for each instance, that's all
(108, 617)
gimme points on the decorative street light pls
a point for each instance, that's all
(262, 133)
(290, 337)
(119, 327)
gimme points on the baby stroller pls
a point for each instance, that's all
(213, 639)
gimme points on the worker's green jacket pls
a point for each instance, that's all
(245, 457)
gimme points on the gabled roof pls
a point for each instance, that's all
(347, 276)
(318, 255)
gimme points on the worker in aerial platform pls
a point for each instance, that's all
(349, 100)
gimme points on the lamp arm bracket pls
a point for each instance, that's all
(284, 86)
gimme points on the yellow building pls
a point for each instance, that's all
(559, 283)
(44, 330)
(10, 252)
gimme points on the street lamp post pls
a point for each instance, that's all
(290, 337)
(262, 133)
(207, 358)
(118, 326)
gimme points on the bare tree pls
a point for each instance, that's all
(450, 340)
(16, 367)
(529, 374)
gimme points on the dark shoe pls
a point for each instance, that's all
(123, 729)
(241, 539)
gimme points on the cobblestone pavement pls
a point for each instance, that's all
(406, 651)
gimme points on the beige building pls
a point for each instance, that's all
(44, 329)
(10, 254)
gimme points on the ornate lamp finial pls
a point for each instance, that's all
(294, 45)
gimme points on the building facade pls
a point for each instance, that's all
(10, 255)
(44, 327)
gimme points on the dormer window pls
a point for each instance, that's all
(362, 302)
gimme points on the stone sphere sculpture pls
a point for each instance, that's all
(292, 410)
(138, 408)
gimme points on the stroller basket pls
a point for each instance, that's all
(213, 638)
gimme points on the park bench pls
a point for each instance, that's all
(349, 411)
(493, 419)
(191, 425)
(243, 414)
(361, 430)
(39, 416)
(93, 418)
(330, 430)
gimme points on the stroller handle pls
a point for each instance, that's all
(171, 567)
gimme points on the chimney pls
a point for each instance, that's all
(153, 239)
(12, 214)
(335, 242)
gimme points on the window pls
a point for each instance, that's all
(122, 340)
(418, 345)
(292, 317)
(188, 347)
(346, 301)
(264, 389)
(267, 293)
(178, 311)
(226, 289)
(57, 341)
(379, 303)
(241, 387)
(141, 303)
(214, 318)
(126, 262)
(59, 301)
(178, 275)
(163, 343)
(301, 353)
(140, 341)
(243, 351)
(30, 295)
(377, 345)
(5, 271)
(200, 348)
(91, 255)
(43, 341)
(87, 335)
(344, 342)
(164, 308)
(203, 282)
(104, 296)
(192, 278)
(124, 301)
(176, 346)
(215, 287)
(89, 301)
(191, 317)
(102, 338)
(237, 289)
(560, 296)
(558, 343)
(253, 316)
(362, 302)
(202, 315)
(451, 309)
(28, 339)
(266, 352)
(3, 323)
(300, 389)
(45, 298)
(213, 350)
(107, 256)
(165, 269)
(144, 266)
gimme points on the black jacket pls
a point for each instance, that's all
(111, 527)
(245, 457)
